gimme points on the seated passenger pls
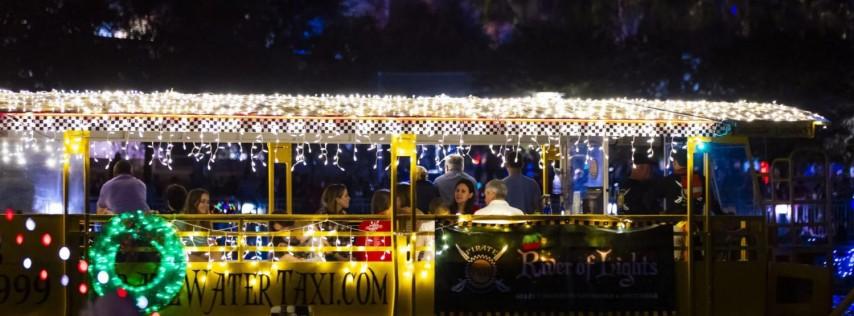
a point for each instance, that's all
(632, 197)
(437, 207)
(380, 205)
(335, 200)
(494, 195)
(198, 202)
(465, 198)
(175, 195)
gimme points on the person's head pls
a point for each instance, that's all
(680, 159)
(514, 161)
(438, 207)
(454, 163)
(122, 167)
(420, 173)
(403, 198)
(495, 190)
(643, 167)
(464, 195)
(380, 201)
(198, 202)
(175, 195)
(334, 199)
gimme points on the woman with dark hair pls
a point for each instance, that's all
(334, 200)
(464, 198)
(198, 202)
(381, 202)
(380, 205)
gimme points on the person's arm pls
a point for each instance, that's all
(101, 205)
(538, 199)
(142, 195)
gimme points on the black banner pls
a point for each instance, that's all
(554, 268)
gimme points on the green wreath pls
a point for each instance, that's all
(158, 292)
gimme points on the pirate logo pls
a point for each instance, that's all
(480, 270)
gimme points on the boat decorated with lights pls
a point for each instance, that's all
(262, 251)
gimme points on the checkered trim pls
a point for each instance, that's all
(30, 122)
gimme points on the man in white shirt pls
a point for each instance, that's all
(494, 195)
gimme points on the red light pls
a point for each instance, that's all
(83, 288)
(121, 292)
(19, 239)
(10, 214)
(46, 239)
(155, 314)
(82, 266)
(43, 275)
(763, 167)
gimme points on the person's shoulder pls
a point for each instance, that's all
(530, 180)
(440, 178)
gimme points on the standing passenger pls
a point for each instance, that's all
(447, 182)
(425, 191)
(123, 193)
(522, 192)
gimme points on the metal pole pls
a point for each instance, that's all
(688, 226)
(279, 154)
(394, 212)
(707, 233)
(604, 169)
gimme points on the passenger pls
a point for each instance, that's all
(671, 192)
(403, 200)
(464, 198)
(123, 193)
(438, 207)
(175, 195)
(425, 191)
(494, 195)
(198, 202)
(427, 229)
(522, 192)
(447, 183)
(335, 200)
(380, 205)
(632, 197)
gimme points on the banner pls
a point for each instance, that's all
(554, 268)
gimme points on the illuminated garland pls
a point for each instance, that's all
(170, 274)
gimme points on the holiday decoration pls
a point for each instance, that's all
(137, 226)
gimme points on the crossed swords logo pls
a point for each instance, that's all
(480, 272)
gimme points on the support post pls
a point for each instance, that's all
(689, 226)
(604, 168)
(279, 154)
(74, 143)
(403, 145)
(549, 153)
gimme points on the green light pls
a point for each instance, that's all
(173, 264)
(701, 146)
